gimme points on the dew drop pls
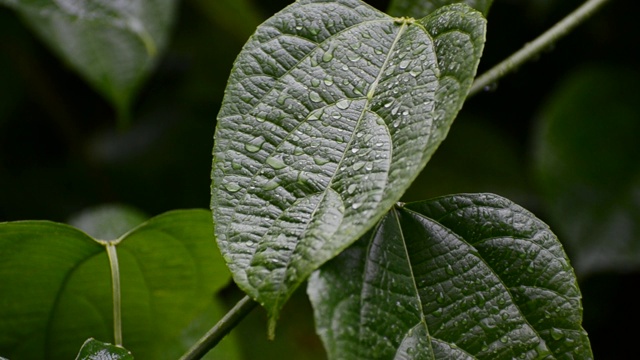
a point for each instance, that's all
(396, 123)
(336, 115)
(328, 55)
(395, 110)
(272, 184)
(449, 270)
(352, 188)
(378, 51)
(387, 105)
(359, 165)
(556, 334)
(282, 98)
(343, 104)
(504, 339)
(356, 205)
(328, 80)
(232, 186)
(254, 145)
(315, 115)
(315, 82)
(276, 163)
(440, 298)
(314, 96)
(403, 64)
(320, 160)
(416, 71)
(354, 57)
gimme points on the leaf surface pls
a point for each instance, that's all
(462, 276)
(588, 167)
(93, 349)
(420, 8)
(112, 44)
(56, 287)
(331, 110)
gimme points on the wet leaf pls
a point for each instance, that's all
(420, 8)
(331, 110)
(112, 44)
(461, 276)
(93, 349)
(588, 167)
(56, 287)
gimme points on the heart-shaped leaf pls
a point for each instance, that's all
(588, 167)
(331, 110)
(93, 349)
(420, 8)
(461, 276)
(56, 287)
(112, 44)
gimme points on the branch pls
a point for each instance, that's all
(221, 329)
(534, 48)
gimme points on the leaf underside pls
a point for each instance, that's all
(462, 276)
(112, 44)
(56, 287)
(331, 110)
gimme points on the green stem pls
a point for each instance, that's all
(115, 283)
(221, 329)
(530, 50)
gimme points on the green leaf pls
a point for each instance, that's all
(461, 276)
(588, 167)
(112, 44)
(419, 8)
(331, 110)
(93, 349)
(56, 287)
(107, 222)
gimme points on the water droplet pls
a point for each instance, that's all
(299, 27)
(343, 104)
(232, 186)
(359, 165)
(504, 339)
(336, 115)
(314, 96)
(403, 64)
(352, 188)
(449, 270)
(320, 160)
(416, 71)
(315, 115)
(328, 80)
(405, 113)
(356, 205)
(396, 123)
(395, 110)
(282, 98)
(272, 184)
(440, 298)
(276, 163)
(236, 165)
(355, 150)
(354, 57)
(556, 334)
(328, 55)
(378, 51)
(315, 82)
(254, 145)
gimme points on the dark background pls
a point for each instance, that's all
(61, 151)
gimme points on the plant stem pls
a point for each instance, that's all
(221, 329)
(535, 47)
(115, 283)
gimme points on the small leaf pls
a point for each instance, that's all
(331, 110)
(588, 167)
(56, 287)
(420, 8)
(93, 349)
(112, 44)
(462, 276)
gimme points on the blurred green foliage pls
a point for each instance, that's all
(61, 150)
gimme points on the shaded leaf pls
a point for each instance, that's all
(461, 276)
(107, 222)
(56, 288)
(331, 111)
(93, 349)
(588, 167)
(420, 8)
(112, 44)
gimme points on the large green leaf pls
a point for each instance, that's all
(419, 8)
(588, 167)
(93, 349)
(112, 44)
(56, 287)
(331, 110)
(462, 276)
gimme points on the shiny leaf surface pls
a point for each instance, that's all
(331, 110)
(462, 276)
(420, 8)
(112, 44)
(56, 287)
